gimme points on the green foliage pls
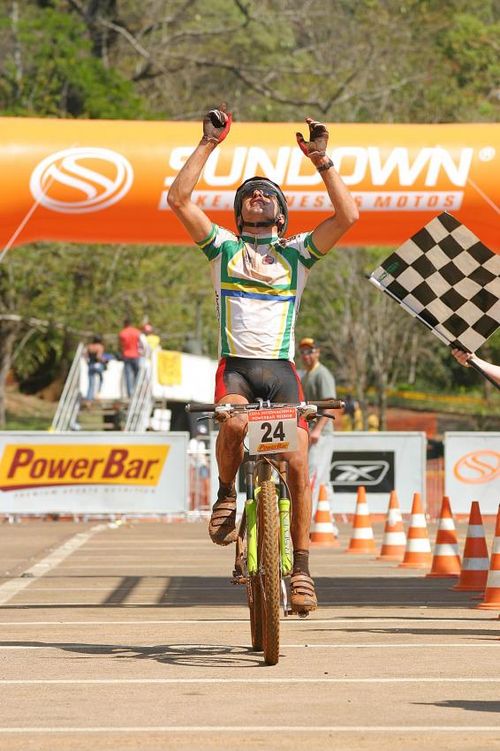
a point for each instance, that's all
(49, 70)
(26, 422)
(87, 290)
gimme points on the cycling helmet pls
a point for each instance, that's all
(267, 186)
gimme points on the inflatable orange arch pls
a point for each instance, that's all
(95, 181)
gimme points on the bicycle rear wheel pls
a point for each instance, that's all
(254, 598)
(269, 564)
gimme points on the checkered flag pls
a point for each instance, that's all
(448, 279)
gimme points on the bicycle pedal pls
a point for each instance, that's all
(238, 579)
(300, 613)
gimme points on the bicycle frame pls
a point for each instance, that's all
(284, 507)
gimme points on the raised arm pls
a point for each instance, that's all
(465, 358)
(216, 125)
(329, 232)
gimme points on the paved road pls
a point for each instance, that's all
(129, 636)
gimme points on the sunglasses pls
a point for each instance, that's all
(265, 193)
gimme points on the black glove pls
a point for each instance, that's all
(216, 125)
(318, 139)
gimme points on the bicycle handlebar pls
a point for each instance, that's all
(322, 404)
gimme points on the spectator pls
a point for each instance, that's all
(463, 358)
(318, 383)
(152, 339)
(372, 420)
(94, 354)
(348, 414)
(131, 351)
(357, 417)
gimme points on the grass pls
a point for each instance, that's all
(26, 422)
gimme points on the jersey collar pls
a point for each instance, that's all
(260, 239)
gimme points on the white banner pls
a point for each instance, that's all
(93, 473)
(472, 470)
(381, 462)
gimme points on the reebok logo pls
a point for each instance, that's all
(372, 469)
(360, 473)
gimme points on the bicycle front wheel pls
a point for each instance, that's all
(269, 559)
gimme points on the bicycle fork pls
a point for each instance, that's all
(253, 565)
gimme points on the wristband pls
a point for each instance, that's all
(325, 166)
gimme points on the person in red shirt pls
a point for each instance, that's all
(130, 348)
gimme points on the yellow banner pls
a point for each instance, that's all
(169, 368)
(35, 465)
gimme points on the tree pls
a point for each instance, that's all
(406, 61)
(49, 69)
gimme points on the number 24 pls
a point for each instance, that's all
(278, 434)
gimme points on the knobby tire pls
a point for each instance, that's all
(269, 563)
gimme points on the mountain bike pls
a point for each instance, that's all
(264, 550)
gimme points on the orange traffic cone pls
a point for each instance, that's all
(492, 594)
(362, 533)
(323, 530)
(475, 561)
(418, 552)
(394, 540)
(446, 561)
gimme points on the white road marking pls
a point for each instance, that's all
(182, 681)
(12, 587)
(272, 729)
(402, 645)
(112, 589)
(236, 602)
(487, 619)
(139, 587)
(200, 567)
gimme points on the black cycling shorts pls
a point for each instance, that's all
(273, 380)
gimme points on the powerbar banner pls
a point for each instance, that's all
(107, 181)
(93, 473)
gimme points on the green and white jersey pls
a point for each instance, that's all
(258, 284)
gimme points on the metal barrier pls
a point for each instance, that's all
(435, 486)
(69, 403)
(199, 478)
(141, 403)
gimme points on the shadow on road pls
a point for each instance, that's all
(189, 655)
(472, 705)
(195, 591)
(487, 634)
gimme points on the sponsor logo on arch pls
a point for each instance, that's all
(81, 180)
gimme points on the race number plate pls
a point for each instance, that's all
(272, 431)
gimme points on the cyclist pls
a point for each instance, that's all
(259, 277)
